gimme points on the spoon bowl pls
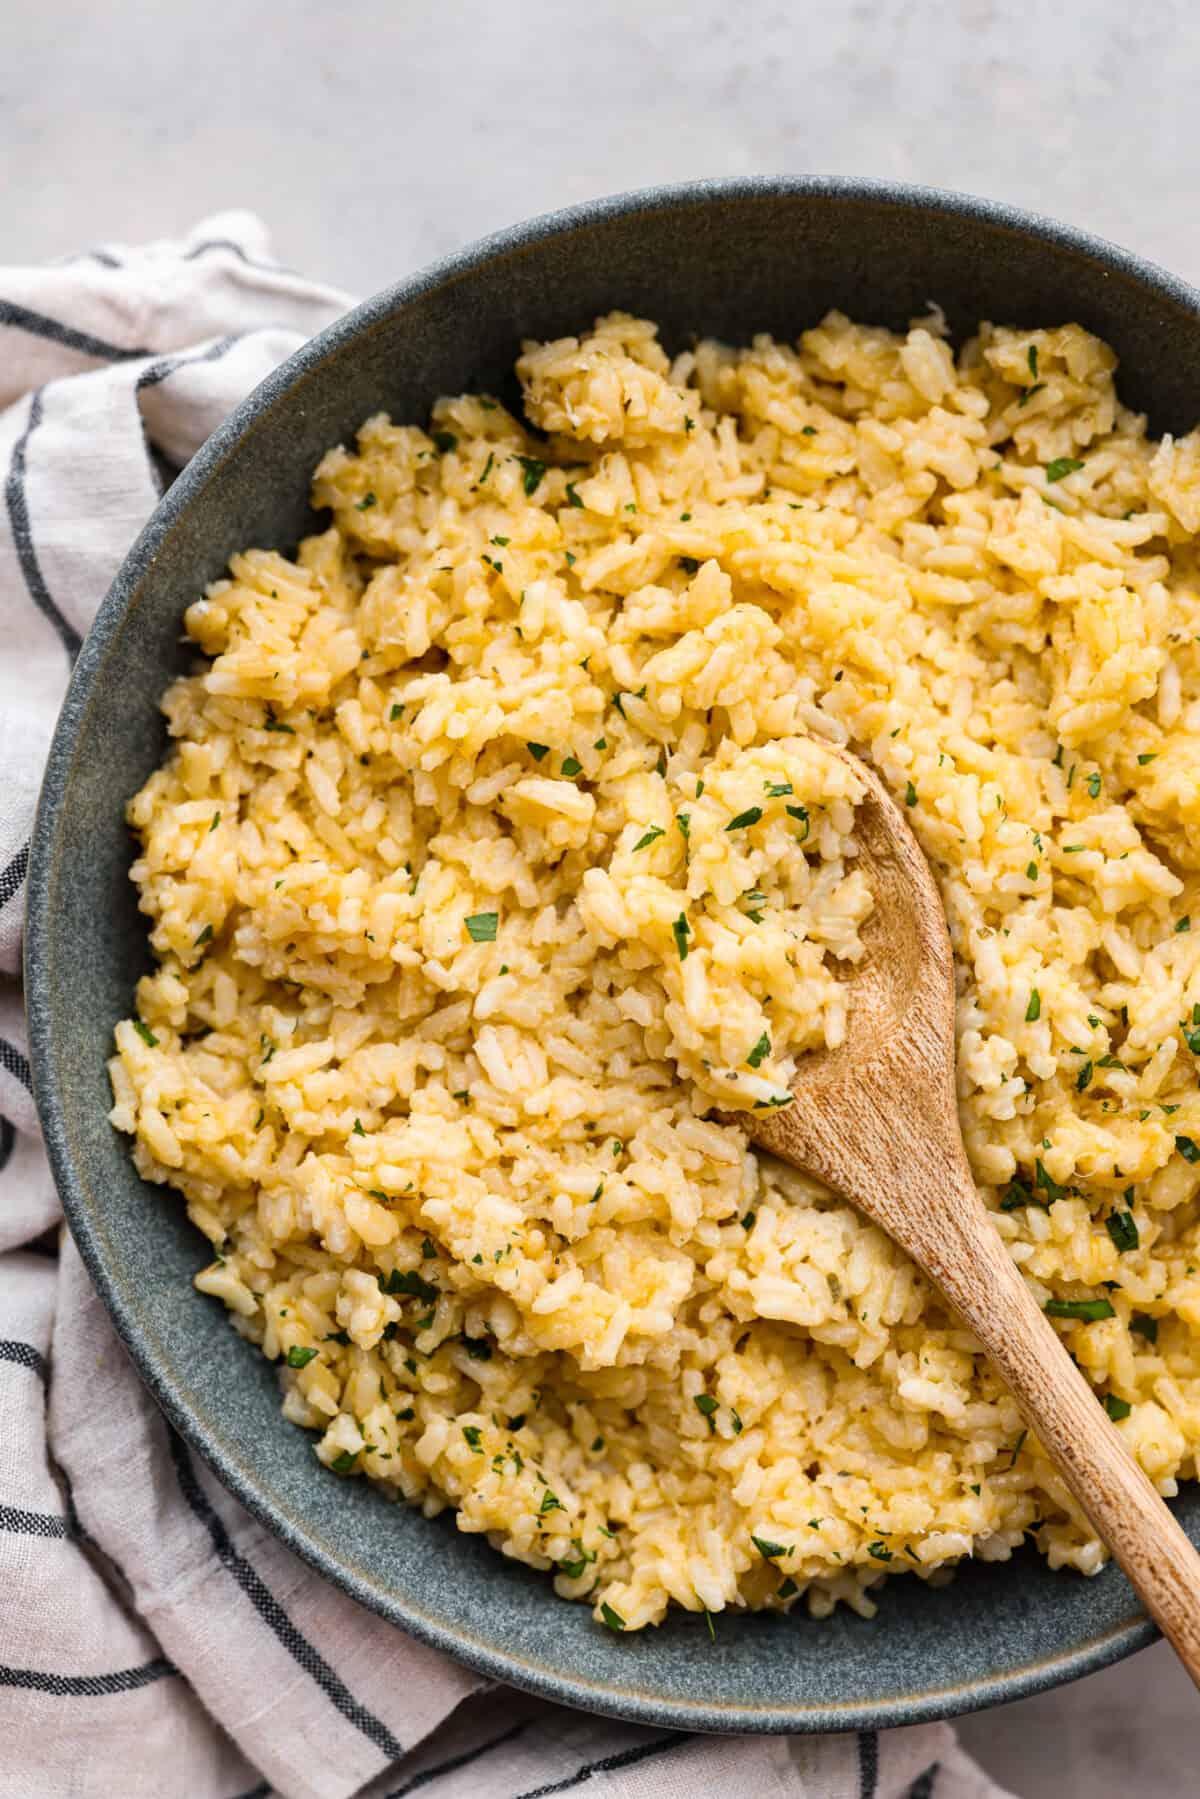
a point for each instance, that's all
(876, 1119)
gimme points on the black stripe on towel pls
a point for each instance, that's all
(19, 1523)
(227, 243)
(39, 325)
(868, 1764)
(88, 1686)
(273, 1614)
(627, 1758)
(18, 518)
(922, 1786)
(12, 876)
(261, 1791)
(24, 1355)
(454, 1762)
(159, 371)
(8, 1139)
(15, 1062)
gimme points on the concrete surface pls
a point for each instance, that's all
(372, 137)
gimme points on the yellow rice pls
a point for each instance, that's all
(497, 848)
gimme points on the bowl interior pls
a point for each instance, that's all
(729, 259)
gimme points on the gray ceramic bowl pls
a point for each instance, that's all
(729, 258)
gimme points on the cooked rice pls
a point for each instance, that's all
(460, 945)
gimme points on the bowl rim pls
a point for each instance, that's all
(538, 1677)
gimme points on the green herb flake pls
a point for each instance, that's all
(760, 1052)
(342, 1464)
(1061, 467)
(538, 750)
(689, 565)
(1018, 1446)
(776, 789)
(1033, 1010)
(1089, 1310)
(1143, 1325)
(271, 723)
(1122, 1228)
(410, 1282)
(473, 1434)
(445, 441)
(706, 1405)
(769, 1551)
(365, 504)
(801, 813)
(573, 498)
(681, 930)
(684, 821)
(1185, 924)
(550, 1503)
(1188, 1149)
(651, 836)
(479, 1349)
(613, 1619)
(481, 927)
(571, 767)
(145, 1033)
(1150, 756)
(1084, 1078)
(300, 1358)
(910, 795)
(880, 1551)
(750, 816)
(738, 1426)
(532, 470)
(204, 937)
(1116, 1408)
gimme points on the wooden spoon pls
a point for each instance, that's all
(876, 1120)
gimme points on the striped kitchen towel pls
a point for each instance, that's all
(154, 1640)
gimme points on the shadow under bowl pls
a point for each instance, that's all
(729, 258)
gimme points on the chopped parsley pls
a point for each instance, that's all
(684, 821)
(481, 927)
(768, 1550)
(1150, 756)
(750, 816)
(445, 441)
(358, 1129)
(651, 836)
(1185, 924)
(473, 1435)
(706, 1405)
(1033, 1010)
(533, 470)
(216, 819)
(479, 1349)
(1090, 1310)
(1084, 1077)
(1122, 1228)
(396, 712)
(342, 1464)
(573, 498)
(760, 1052)
(1143, 1325)
(910, 795)
(538, 750)
(880, 1551)
(688, 564)
(364, 505)
(145, 1033)
(571, 767)
(1189, 1150)
(681, 930)
(613, 1619)
(1061, 467)
(410, 1282)
(800, 812)
(550, 1503)
(1116, 1408)
(204, 937)
(271, 723)
(1031, 871)
(300, 1358)
(776, 789)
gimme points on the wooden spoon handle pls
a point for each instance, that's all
(965, 1255)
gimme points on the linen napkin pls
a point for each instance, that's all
(155, 1640)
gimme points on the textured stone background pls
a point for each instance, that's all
(374, 136)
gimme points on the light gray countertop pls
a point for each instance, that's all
(373, 137)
